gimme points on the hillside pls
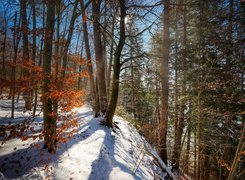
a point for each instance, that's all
(95, 152)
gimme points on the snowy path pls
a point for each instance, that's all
(94, 153)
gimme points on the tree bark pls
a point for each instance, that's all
(33, 31)
(199, 130)
(195, 152)
(176, 91)
(100, 62)
(228, 89)
(165, 86)
(181, 119)
(3, 72)
(57, 54)
(27, 93)
(188, 147)
(49, 120)
(104, 46)
(34, 52)
(199, 134)
(116, 68)
(13, 73)
(68, 41)
(89, 60)
(239, 150)
(111, 55)
(40, 60)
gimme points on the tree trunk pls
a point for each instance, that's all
(27, 93)
(183, 101)
(100, 62)
(57, 54)
(3, 72)
(199, 130)
(68, 41)
(63, 36)
(206, 163)
(176, 91)
(228, 89)
(40, 61)
(15, 44)
(89, 60)
(188, 147)
(199, 134)
(132, 87)
(195, 153)
(104, 46)
(33, 31)
(116, 68)
(49, 120)
(164, 78)
(111, 56)
(34, 52)
(236, 160)
(97, 112)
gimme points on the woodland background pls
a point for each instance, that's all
(173, 68)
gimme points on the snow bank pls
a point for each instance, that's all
(95, 152)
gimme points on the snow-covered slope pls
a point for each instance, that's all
(95, 152)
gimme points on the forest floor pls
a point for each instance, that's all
(95, 152)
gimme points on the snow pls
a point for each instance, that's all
(220, 125)
(95, 152)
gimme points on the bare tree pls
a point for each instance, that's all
(116, 67)
(16, 41)
(89, 60)
(100, 62)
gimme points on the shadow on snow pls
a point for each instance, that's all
(24, 162)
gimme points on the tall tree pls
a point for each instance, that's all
(100, 62)
(163, 125)
(57, 52)
(116, 67)
(89, 59)
(27, 93)
(228, 82)
(69, 37)
(49, 119)
(4, 31)
(16, 41)
(34, 40)
(108, 78)
(180, 124)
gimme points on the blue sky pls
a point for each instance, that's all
(12, 6)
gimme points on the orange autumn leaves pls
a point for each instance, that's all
(64, 90)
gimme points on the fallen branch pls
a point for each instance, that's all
(159, 164)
